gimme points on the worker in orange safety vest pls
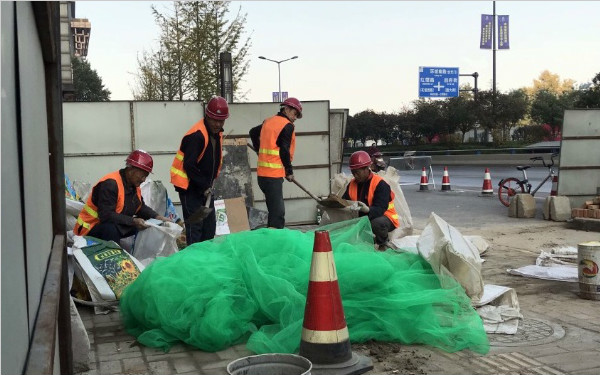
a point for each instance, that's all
(115, 208)
(373, 196)
(275, 141)
(197, 165)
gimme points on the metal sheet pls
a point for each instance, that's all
(581, 122)
(98, 127)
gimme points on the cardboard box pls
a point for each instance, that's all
(232, 216)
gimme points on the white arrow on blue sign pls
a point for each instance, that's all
(438, 82)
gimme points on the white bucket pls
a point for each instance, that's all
(270, 364)
(588, 260)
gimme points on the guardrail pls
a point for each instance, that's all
(476, 151)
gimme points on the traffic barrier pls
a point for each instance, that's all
(424, 185)
(554, 190)
(325, 339)
(446, 180)
(487, 189)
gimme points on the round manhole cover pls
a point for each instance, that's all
(530, 332)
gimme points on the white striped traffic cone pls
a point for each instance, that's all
(554, 190)
(424, 185)
(446, 180)
(487, 189)
(325, 338)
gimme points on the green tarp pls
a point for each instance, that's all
(251, 287)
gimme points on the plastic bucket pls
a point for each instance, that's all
(270, 364)
(588, 260)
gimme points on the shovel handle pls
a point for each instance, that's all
(306, 191)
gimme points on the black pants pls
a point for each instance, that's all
(381, 226)
(111, 232)
(273, 190)
(205, 229)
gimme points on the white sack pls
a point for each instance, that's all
(158, 240)
(155, 195)
(450, 254)
(499, 309)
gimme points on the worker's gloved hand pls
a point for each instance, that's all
(163, 218)
(362, 207)
(289, 177)
(140, 223)
(210, 191)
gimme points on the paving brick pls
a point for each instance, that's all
(166, 356)
(106, 348)
(110, 367)
(127, 346)
(572, 361)
(228, 353)
(183, 365)
(117, 356)
(160, 368)
(134, 365)
(205, 357)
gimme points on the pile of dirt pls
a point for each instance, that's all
(394, 358)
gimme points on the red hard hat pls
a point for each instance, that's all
(359, 159)
(140, 159)
(217, 108)
(294, 103)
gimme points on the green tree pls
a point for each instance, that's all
(460, 115)
(87, 83)
(186, 65)
(428, 115)
(548, 108)
(590, 97)
(511, 108)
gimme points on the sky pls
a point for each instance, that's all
(366, 54)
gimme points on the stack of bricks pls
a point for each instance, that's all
(590, 209)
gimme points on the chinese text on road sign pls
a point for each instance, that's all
(437, 82)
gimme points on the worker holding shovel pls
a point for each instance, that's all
(196, 166)
(373, 196)
(275, 141)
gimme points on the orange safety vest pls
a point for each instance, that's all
(88, 217)
(269, 161)
(178, 176)
(375, 179)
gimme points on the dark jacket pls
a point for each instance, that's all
(104, 197)
(200, 173)
(284, 142)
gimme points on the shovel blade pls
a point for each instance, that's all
(199, 215)
(333, 201)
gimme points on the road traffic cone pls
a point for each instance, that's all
(325, 338)
(487, 190)
(554, 190)
(446, 180)
(424, 185)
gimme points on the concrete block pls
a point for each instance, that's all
(547, 208)
(512, 207)
(525, 205)
(560, 208)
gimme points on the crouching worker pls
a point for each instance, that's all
(374, 196)
(115, 208)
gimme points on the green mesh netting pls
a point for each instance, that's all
(251, 286)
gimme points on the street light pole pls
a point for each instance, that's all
(278, 62)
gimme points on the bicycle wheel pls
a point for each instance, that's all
(509, 187)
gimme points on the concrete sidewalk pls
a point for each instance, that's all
(560, 332)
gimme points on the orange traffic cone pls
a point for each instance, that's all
(325, 338)
(446, 180)
(424, 185)
(487, 190)
(554, 190)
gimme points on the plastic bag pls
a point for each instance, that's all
(158, 240)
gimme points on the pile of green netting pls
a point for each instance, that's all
(251, 287)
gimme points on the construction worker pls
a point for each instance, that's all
(377, 162)
(115, 208)
(374, 198)
(274, 141)
(196, 166)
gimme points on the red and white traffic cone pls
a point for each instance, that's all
(325, 338)
(446, 180)
(554, 190)
(424, 185)
(487, 190)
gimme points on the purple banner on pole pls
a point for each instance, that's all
(486, 31)
(503, 42)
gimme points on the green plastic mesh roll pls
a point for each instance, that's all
(251, 287)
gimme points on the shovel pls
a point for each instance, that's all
(201, 213)
(332, 201)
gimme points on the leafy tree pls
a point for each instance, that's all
(590, 96)
(549, 82)
(511, 108)
(428, 115)
(548, 108)
(87, 83)
(460, 115)
(186, 64)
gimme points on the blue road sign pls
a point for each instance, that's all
(437, 82)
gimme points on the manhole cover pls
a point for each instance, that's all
(530, 332)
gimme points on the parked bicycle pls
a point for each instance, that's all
(511, 186)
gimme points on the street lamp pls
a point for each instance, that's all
(278, 69)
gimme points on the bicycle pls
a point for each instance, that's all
(511, 186)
